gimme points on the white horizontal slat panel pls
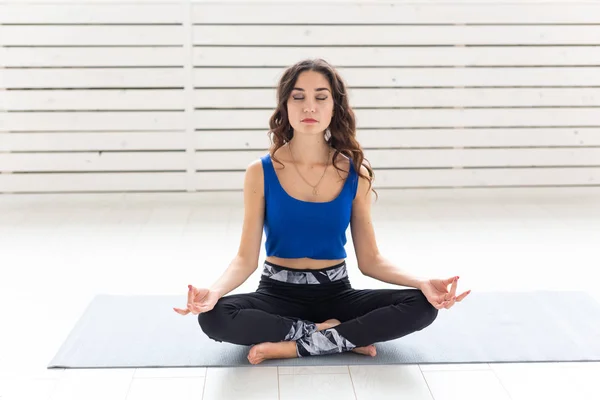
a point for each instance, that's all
(91, 56)
(93, 78)
(390, 118)
(373, 35)
(440, 178)
(296, 1)
(397, 56)
(258, 140)
(391, 13)
(92, 182)
(411, 77)
(174, 99)
(97, 161)
(95, 99)
(407, 138)
(82, 141)
(92, 13)
(76, 121)
(489, 177)
(418, 158)
(56, 35)
(40, 183)
(497, 97)
(141, 2)
(484, 158)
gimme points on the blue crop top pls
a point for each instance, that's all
(297, 229)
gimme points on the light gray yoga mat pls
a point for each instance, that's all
(540, 326)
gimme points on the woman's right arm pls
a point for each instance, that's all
(246, 260)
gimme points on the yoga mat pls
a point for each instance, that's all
(118, 331)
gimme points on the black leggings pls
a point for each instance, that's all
(289, 302)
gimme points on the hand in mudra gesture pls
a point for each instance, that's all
(436, 292)
(199, 301)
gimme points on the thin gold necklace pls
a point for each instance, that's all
(314, 191)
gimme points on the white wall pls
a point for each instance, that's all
(176, 95)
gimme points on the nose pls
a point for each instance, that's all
(309, 105)
(309, 108)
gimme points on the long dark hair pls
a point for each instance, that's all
(343, 123)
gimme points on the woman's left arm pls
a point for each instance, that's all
(374, 265)
(370, 262)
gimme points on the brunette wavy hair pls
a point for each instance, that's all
(343, 123)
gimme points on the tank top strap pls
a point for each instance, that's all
(353, 179)
(268, 172)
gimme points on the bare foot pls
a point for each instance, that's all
(268, 350)
(366, 350)
(330, 323)
(369, 350)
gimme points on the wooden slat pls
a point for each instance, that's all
(82, 141)
(488, 177)
(91, 56)
(441, 178)
(141, 2)
(95, 99)
(310, 13)
(407, 138)
(419, 158)
(249, 98)
(258, 140)
(389, 118)
(397, 56)
(32, 78)
(76, 121)
(57, 35)
(92, 182)
(497, 97)
(97, 161)
(373, 35)
(92, 13)
(410, 77)
(475, 158)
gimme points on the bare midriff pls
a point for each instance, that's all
(302, 263)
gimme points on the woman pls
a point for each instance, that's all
(305, 208)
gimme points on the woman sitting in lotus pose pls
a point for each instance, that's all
(304, 304)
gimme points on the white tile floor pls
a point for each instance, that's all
(58, 251)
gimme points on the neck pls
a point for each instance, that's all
(309, 150)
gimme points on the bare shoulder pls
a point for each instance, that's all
(254, 177)
(253, 214)
(363, 190)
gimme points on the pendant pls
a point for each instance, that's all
(315, 191)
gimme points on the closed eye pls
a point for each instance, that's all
(302, 98)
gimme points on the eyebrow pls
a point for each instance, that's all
(316, 90)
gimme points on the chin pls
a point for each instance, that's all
(309, 130)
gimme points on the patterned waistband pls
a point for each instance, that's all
(305, 276)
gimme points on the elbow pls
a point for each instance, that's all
(366, 267)
(365, 272)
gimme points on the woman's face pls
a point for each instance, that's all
(310, 105)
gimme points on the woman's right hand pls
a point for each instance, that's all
(199, 301)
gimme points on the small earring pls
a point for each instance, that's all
(327, 134)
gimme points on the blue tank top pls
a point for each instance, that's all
(297, 229)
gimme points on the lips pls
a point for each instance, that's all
(309, 120)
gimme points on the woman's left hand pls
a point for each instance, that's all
(436, 292)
